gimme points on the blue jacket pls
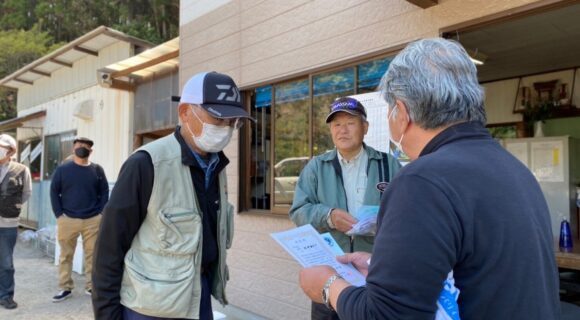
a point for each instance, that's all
(320, 189)
(466, 205)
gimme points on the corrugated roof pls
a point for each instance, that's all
(125, 74)
(19, 121)
(89, 44)
(157, 60)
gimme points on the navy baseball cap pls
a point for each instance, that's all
(84, 140)
(217, 93)
(346, 104)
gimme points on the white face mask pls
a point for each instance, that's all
(3, 153)
(212, 138)
(398, 148)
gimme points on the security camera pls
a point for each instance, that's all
(104, 78)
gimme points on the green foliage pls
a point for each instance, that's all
(7, 105)
(154, 21)
(65, 20)
(540, 112)
(20, 47)
(17, 14)
(503, 132)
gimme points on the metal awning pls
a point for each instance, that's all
(124, 74)
(64, 57)
(19, 121)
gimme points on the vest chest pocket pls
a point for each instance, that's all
(180, 230)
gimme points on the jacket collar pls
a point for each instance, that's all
(333, 154)
(460, 131)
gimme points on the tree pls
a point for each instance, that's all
(19, 48)
(17, 14)
(66, 20)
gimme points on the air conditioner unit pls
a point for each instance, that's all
(84, 110)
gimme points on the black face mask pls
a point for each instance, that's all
(82, 152)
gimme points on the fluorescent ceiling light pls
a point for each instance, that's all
(476, 62)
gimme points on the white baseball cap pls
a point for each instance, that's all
(7, 141)
(217, 93)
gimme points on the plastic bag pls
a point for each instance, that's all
(47, 233)
(27, 236)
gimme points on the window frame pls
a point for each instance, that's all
(46, 176)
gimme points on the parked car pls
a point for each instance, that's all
(286, 173)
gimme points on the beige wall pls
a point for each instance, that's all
(260, 41)
(68, 80)
(110, 127)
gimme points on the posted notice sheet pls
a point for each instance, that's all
(310, 249)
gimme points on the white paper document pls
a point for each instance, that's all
(310, 249)
(332, 243)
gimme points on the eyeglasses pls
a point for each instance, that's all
(235, 123)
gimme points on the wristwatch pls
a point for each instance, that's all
(329, 219)
(326, 290)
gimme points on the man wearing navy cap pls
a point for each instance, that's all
(78, 193)
(335, 185)
(161, 252)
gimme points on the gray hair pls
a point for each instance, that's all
(437, 82)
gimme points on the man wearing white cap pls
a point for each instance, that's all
(161, 250)
(15, 190)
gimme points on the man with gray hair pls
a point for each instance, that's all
(464, 212)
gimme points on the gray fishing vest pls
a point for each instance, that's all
(161, 276)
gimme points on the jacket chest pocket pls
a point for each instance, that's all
(180, 230)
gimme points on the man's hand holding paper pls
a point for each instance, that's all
(342, 220)
(367, 221)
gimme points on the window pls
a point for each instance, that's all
(154, 109)
(58, 148)
(326, 88)
(260, 142)
(291, 122)
(30, 156)
(291, 128)
(369, 74)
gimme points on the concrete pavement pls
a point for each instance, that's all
(37, 281)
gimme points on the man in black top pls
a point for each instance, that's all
(464, 209)
(78, 192)
(209, 110)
